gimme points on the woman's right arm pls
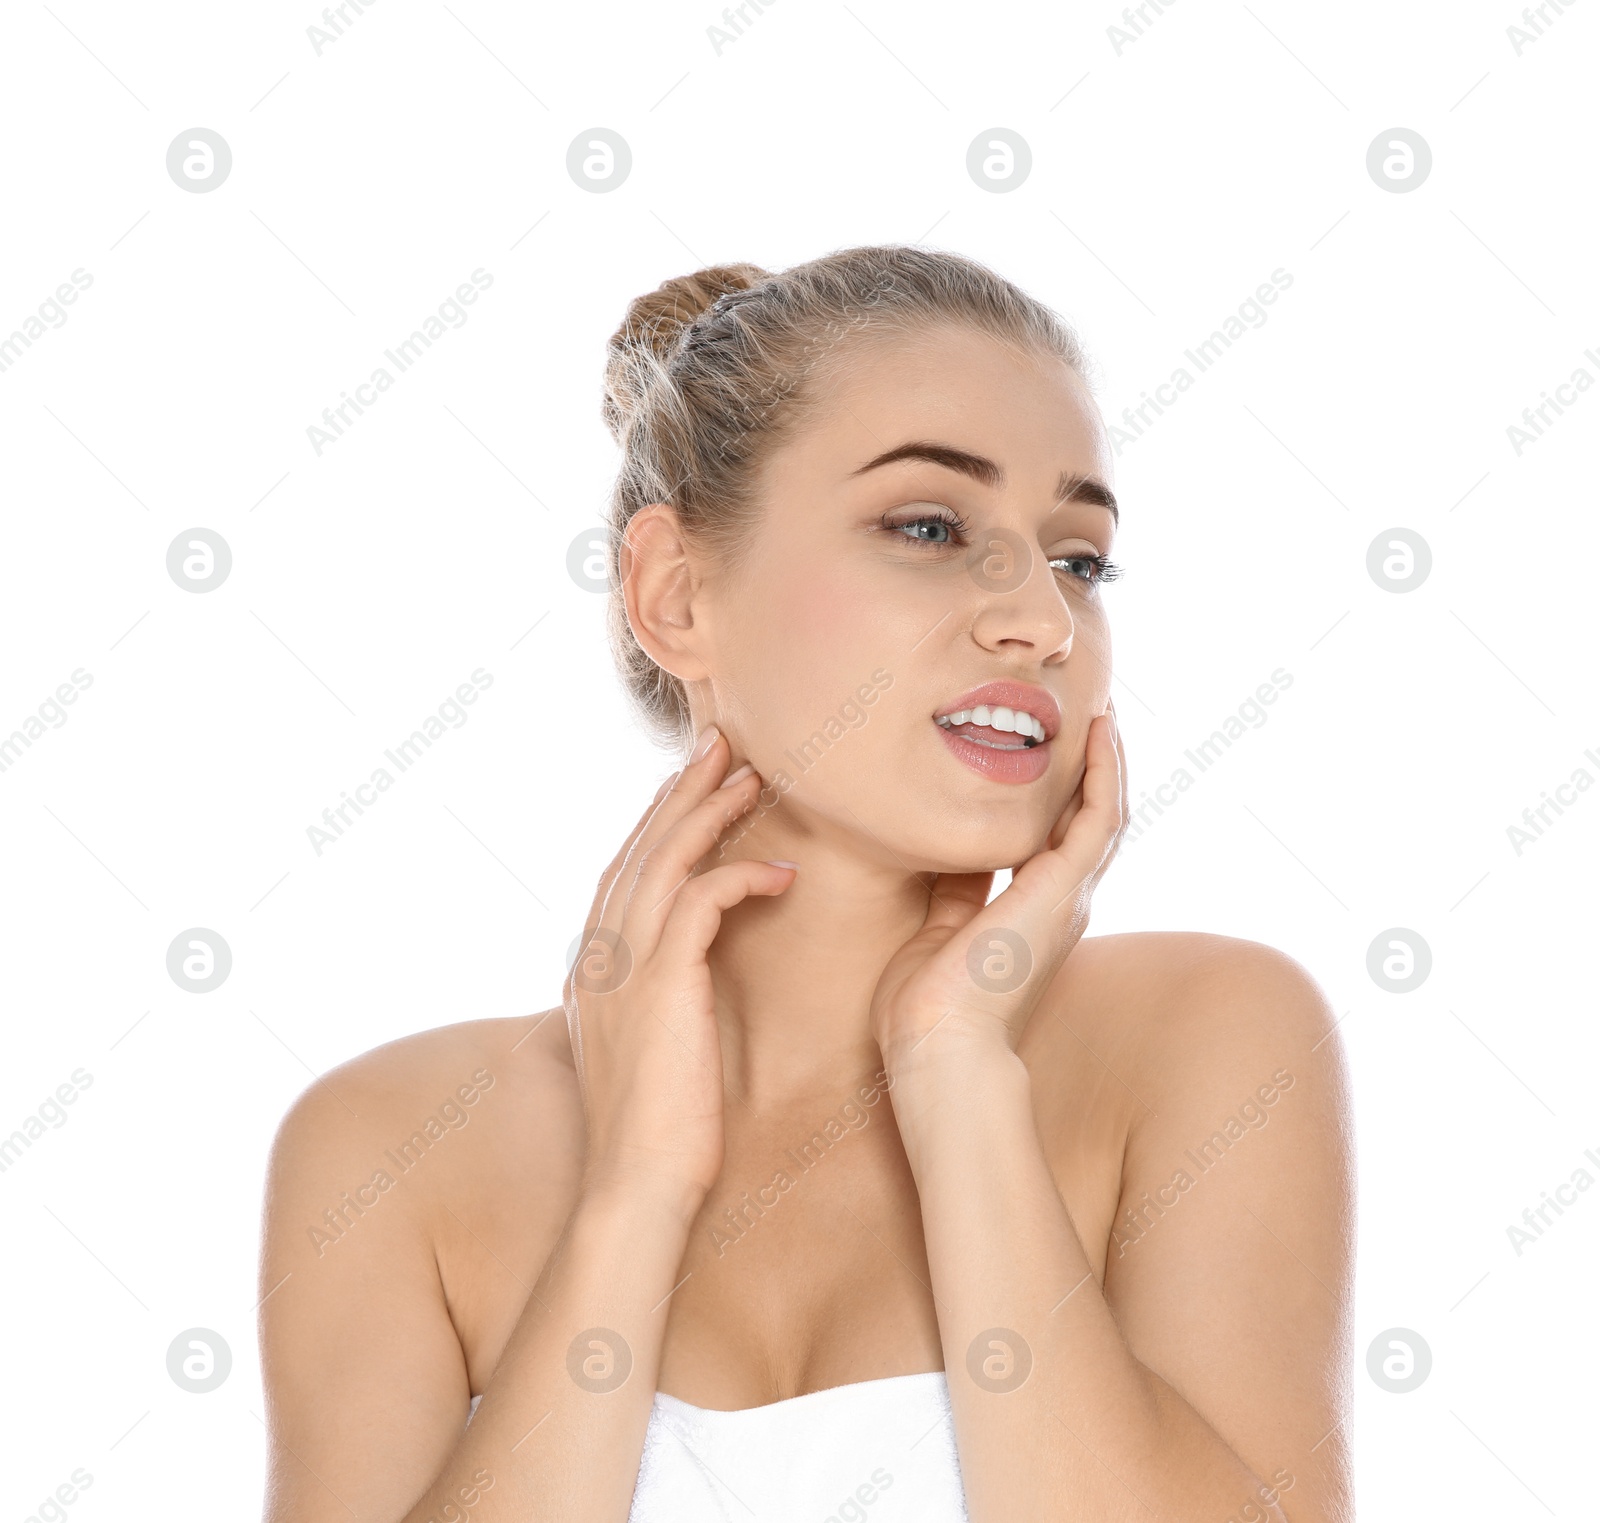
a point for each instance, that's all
(366, 1380)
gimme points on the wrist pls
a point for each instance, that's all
(946, 1092)
(642, 1194)
(946, 1051)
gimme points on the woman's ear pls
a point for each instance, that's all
(659, 590)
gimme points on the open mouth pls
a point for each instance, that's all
(999, 728)
(1002, 730)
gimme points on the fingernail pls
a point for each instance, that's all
(661, 792)
(734, 777)
(708, 738)
(774, 862)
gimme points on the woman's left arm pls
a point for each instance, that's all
(1188, 1385)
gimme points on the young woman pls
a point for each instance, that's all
(837, 1188)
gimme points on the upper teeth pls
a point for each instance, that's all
(1017, 721)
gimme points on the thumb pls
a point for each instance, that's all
(955, 899)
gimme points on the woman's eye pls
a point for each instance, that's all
(1088, 568)
(931, 529)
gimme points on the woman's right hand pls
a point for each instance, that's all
(639, 1000)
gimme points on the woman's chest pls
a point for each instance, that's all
(805, 1268)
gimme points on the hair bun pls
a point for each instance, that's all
(655, 326)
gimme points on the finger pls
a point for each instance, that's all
(1122, 763)
(614, 866)
(1052, 878)
(671, 859)
(1058, 831)
(699, 903)
(1090, 839)
(682, 792)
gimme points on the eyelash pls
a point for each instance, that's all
(1106, 570)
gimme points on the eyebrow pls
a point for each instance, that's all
(1072, 487)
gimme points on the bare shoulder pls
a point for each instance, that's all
(1147, 989)
(405, 1102)
(411, 1194)
(1231, 1249)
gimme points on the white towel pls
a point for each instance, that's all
(876, 1451)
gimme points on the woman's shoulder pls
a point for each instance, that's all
(1170, 1023)
(1144, 988)
(466, 1106)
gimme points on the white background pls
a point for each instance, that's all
(1169, 180)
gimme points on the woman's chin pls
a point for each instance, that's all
(982, 859)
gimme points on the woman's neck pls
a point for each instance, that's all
(794, 974)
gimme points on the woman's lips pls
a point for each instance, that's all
(1015, 763)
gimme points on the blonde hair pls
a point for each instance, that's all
(709, 372)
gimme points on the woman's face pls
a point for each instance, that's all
(874, 599)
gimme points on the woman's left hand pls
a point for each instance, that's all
(975, 971)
